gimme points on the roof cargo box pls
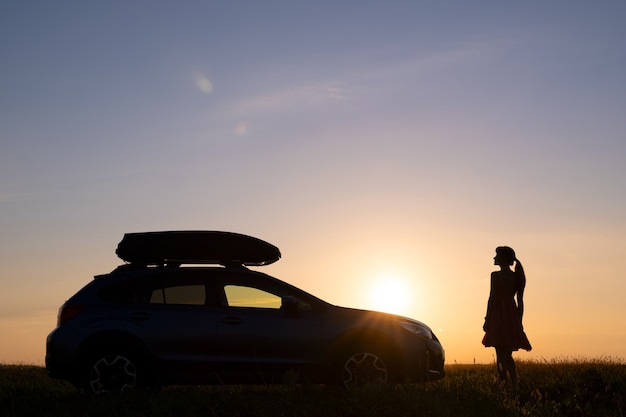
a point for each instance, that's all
(196, 246)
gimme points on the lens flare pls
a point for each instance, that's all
(203, 83)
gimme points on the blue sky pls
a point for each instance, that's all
(403, 137)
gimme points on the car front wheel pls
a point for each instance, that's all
(365, 368)
(112, 373)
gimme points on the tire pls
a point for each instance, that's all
(112, 373)
(365, 367)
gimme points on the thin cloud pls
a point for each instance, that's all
(451, 56)
(363, 83)
(357, 81)
(296, 97)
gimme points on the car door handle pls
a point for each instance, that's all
(139, 316)
(231, 321)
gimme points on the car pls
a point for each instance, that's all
(173, 320)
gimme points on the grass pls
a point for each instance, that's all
(557, 388)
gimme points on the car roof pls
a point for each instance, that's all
(133, 271)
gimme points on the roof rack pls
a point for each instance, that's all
(134, 266)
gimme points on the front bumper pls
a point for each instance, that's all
(435, 359)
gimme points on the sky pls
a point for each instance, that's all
(386, 148)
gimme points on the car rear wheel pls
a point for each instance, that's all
(112, 373)
(365, 368)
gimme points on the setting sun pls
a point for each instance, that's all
(390, 294)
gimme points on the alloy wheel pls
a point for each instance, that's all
(363, 369)
(112, 374)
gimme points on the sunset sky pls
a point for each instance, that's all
(386, 147)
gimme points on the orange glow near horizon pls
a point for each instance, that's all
(436, 276)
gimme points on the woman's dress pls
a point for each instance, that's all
(503, 324)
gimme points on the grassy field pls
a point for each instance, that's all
(556, 388)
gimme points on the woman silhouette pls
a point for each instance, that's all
(503, 323)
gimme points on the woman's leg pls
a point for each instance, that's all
(501, 363)
(512, 369)
(506, 364)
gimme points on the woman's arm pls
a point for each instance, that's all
(520, 277)
(520, 303)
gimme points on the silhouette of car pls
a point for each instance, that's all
(177, 323)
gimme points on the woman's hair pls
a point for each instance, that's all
(508, 254)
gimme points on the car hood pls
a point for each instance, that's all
(376, 316)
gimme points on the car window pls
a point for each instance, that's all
(244, 296)
(125, 293)
(181, 294)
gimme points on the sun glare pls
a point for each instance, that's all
(390, 294)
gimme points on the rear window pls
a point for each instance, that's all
(176, 289)
(125, 293)
(181, 294)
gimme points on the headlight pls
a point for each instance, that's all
(417, 328)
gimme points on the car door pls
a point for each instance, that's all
(177, 323)
(260, 337)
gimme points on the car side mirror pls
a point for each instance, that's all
(290, 305)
